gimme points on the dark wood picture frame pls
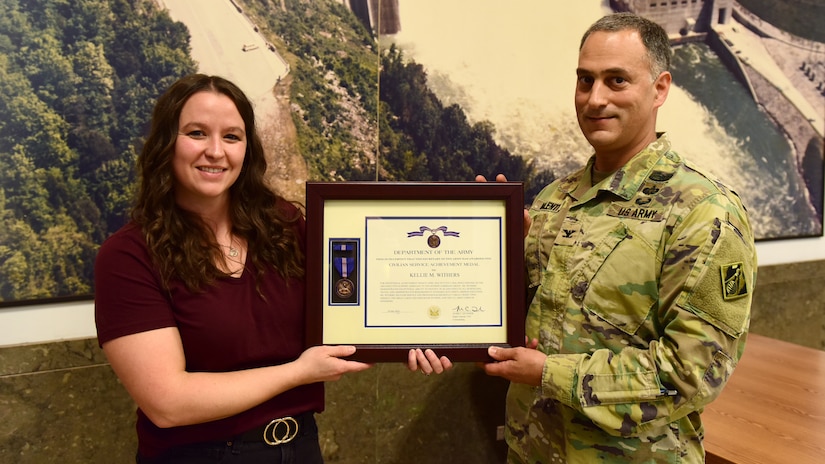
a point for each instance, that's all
(513, 301)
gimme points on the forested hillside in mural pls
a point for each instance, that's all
(77, 82)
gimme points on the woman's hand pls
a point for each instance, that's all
(324, 363)
(152, 367)
(427, 361)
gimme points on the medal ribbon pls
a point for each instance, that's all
(343, 264)
(422, 229)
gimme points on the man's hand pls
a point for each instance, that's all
(520, 365)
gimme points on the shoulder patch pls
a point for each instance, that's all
(734, 284)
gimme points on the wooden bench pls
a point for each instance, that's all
(772, 409)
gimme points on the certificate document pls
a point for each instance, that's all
(436, 271)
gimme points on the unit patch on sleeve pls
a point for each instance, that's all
(734, 284)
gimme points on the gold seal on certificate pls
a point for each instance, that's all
(435, 312)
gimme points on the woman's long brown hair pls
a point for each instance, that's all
(180, 243)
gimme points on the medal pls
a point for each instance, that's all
(344, 287)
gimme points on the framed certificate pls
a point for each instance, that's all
(395, 265)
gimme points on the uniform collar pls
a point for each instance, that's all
(623, 183)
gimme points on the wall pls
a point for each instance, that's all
(61, 403)
(75, 320)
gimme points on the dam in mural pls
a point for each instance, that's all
(781, 74)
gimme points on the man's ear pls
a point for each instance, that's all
(662, 85)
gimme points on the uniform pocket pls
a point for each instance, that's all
(618, 281)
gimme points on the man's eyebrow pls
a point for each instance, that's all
(615, 71)
(618, 70)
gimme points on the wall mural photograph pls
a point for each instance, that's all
(388, 90)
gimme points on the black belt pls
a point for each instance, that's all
(281, 430)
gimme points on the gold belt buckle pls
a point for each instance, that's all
(281, 431)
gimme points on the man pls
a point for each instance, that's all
(641, 269)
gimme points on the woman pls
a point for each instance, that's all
(200, 298)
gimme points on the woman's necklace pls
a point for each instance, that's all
(233, 263)
(233, 252)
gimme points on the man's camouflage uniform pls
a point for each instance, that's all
(643, 291)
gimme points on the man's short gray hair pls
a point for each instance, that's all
(653, 36)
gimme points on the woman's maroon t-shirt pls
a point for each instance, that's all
(226, 327)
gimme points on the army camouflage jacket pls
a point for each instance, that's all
(643, 287)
